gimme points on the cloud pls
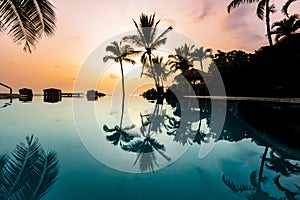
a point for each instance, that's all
(113, 76)
(244, 28)
(207, 10)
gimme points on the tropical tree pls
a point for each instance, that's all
(27, 21)
(263, 11)
(183, 58)
(147, 38)
(290, 195)
(147, 146)
(119, 54)
(255, 189)
(201, 54)
(285, 7)
(28, 172)
(158, 72)
(286, 27)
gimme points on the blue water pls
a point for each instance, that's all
(97, 169)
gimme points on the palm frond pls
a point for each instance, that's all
(235, 187)
(285, 7)
(253, 179)
(160, 37)
(46, 169)
(17, 24)
(29, 171)
(42, 15)
(260, 10)
(26, 21)
(129, 61)
(107, 58)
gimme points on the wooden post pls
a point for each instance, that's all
(10, 90)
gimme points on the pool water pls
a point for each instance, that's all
(160, 161)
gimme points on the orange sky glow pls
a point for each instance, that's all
(82, 27)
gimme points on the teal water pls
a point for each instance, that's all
(97, 169)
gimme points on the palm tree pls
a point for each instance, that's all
(286, 27)
(146, 147)
(183, 58)
(285, 7)
(255, 181)
(158, 72)
(263, 10)
(120, 54)
(27, 21)
(147, 38)
(288, 193)
(28, 172)
(201, 54)
(118, 134)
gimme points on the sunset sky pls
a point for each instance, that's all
(84, 25)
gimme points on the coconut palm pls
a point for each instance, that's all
(183, 58)
(28, 172)
(279, 163)
(158, 72)
(27, 21)
(256, 179)
(118, 134)
(147, 147)
(201, 54)
(147, 38)
(285, 7)
(119, 54)
(286, 27)
(263, 11)
(288, 193)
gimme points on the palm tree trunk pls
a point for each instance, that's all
(201, 64)
(123, 94)
(262, 164)
(268, 23)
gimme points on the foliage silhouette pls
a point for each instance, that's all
(28, 172)
(183, 58)
(200, 54)
(120, 54)
(148, 39)
(263, 10)
(27, 21)
(286, 27)
(119, 134)
(285, 7)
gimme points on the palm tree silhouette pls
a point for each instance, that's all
(28, 172)
(263, 10)
(288, 193)
(183, 58)
(120, 54)
(255, 181)
(201, 54)
(286, 27)
(147, 38)
(159, 71)
(27, 21)
(279, 163)
(146, 147)
(285, 7)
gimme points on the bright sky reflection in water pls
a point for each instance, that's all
(82, 176)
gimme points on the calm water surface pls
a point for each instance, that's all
(243, 163)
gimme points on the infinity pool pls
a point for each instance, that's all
(159, 152)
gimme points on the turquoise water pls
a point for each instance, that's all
(90, 167)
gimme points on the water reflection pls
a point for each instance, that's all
(27, 172)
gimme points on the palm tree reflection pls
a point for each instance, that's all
(152, 124)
